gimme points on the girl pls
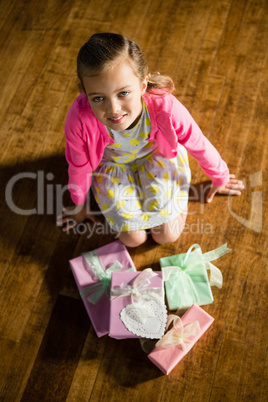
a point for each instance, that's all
(126, 138)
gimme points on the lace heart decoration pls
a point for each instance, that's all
(146, 319)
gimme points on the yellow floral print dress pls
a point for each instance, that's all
(134, 186)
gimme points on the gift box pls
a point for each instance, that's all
(177, 341)
(92, 272)
(186, 279)
(137, 306)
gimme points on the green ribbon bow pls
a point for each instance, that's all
(180, 275)
(96, 290)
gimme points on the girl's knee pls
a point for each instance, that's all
(134, 238)
(169, 232)
(165, 238)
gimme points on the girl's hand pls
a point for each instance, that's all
(72, 216)
(233, 187)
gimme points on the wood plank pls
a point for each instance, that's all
(33, 70)
(18, 56)
(6, 8)
(7, 347)
(23, 357)
(264, 386)
(84, 378)
(161, 46)
(241, 340)
(36, 119)
(58, 355)
(226, 48)
(158, 39)
(10, 23)
(123, 370)
(228, 372)
(240, 324)
(33, 254)
(32, 250)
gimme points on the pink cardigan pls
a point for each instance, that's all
(171, 123)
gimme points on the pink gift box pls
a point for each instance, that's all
(167, 358)
(117, 328)
(99, 313)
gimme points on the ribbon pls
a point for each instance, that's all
(139, 293)
(140, 290)
(179, 335)
(186, 266)
(187, 291)
(192, 263)
(96, 290)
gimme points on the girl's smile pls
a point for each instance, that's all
(117, 119)
(115, 96)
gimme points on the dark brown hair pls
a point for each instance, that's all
(103, 50)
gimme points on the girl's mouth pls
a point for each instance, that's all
(117, 120)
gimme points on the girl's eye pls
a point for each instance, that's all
(97, 99)
(124, 93)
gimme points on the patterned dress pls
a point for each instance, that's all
(134, 186)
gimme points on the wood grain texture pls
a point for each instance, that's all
(59, 352)
(216, 52)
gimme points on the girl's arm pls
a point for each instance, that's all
(78, 159)
(191, 137)
(79, 171)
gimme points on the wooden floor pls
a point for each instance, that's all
(216, 51)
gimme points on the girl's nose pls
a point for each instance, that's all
(113, 107)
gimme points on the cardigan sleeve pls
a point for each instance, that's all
(191, 137)
(77, 156)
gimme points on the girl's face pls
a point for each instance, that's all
(115, 96)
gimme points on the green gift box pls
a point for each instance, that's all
(186, 279)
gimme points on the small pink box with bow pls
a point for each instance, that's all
(177, 341)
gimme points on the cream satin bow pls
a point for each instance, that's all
(179, 335)
(140, 288)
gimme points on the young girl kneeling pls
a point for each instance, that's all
(127, 138)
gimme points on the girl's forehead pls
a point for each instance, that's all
(118, 76)
(114, 68)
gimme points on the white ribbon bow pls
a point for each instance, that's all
(179, 335)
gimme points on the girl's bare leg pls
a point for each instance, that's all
(134, 238)
(170, 231)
